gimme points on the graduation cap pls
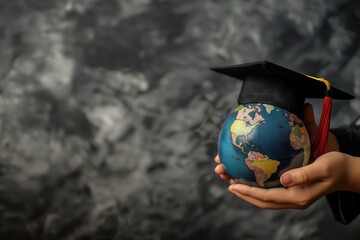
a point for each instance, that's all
(268, 83)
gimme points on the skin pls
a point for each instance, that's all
(333, 171)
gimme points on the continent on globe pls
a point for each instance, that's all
(298, 137)
(268, 108)
(247, 119)
(262, 166)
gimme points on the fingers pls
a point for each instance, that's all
(275, 195)
(220, 170)
(304, 186)
(225, 177)
(217, 159)
(278, 198)
(258, 202)
(304, 175)
(232, 181)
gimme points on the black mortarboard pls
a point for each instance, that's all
(266, 82)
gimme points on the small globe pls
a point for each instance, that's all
(259, 142)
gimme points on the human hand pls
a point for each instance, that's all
(312, 128)
(330, 172)
(220, 170)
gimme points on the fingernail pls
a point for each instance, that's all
(286, 179)
(231, 187)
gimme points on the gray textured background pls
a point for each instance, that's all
(109, 115)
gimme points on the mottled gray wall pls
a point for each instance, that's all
(109, 114)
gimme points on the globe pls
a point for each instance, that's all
(259, 142)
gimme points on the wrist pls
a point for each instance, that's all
(352, 173)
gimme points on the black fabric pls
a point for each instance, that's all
(306, 86)
(346, 205)
(261, 89)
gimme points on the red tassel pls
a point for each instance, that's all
(320, 144)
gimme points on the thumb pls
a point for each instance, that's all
(309, 121)
(299, 176)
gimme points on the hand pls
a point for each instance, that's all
(310, 124)
(305, 185)
(330, 172)
(220, 170)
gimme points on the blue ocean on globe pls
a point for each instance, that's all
(258, 142)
